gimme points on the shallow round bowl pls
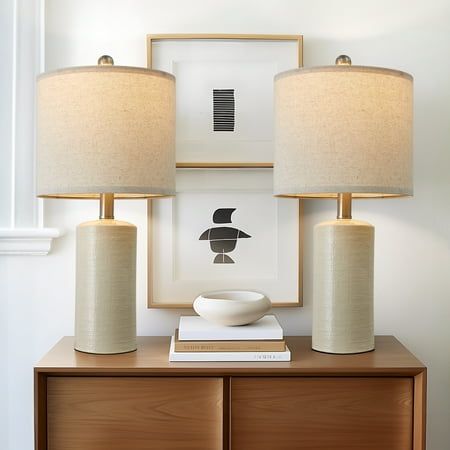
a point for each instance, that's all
(232, 308)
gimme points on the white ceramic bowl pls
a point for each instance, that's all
(232, 308)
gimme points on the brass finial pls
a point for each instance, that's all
(105, 60)
(343, 60)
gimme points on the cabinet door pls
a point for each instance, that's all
(321, 413)
(134, 413)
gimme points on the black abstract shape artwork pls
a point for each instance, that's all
(223, 109)
(223, 240)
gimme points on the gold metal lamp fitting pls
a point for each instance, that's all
(105, 60)
(343, 60)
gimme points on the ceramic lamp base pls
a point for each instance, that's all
(105, 311)
(343, 287)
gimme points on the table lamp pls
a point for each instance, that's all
(105, 132)
(343, 132)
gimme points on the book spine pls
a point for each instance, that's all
(241, 336)
(231, 357)
(267, 346)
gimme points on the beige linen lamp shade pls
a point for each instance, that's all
(105, 132)
(343, 129)
(106, 129)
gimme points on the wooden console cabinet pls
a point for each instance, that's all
(140, 401)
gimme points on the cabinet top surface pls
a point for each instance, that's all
(390, 357)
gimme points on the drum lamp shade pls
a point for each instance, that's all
(343, 129)
(106, 129)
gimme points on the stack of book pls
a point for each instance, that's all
(199, 340)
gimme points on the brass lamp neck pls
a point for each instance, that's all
(106, 206)
(344, 206)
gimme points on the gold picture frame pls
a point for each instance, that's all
(297, 39)
(151, 40)
(166, 280)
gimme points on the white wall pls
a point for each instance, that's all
(413, 235)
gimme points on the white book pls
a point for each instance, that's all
(195, 328)
(227, 356)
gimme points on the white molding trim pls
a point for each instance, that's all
(25, 234)
(27, 241)
(15, 19)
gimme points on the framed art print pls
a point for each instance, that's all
(224, 84)
(224, 229)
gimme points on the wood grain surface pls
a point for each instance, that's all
(105, 413)
(322, 413)
(140, 400)
(420, 410)
(152, 357)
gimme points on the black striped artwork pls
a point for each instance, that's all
(223, 109)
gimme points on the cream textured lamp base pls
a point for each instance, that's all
(343, 287)
(105, 313)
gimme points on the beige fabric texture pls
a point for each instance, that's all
(105, 129)
(343, 287)
(105, 311)
(343, 129)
